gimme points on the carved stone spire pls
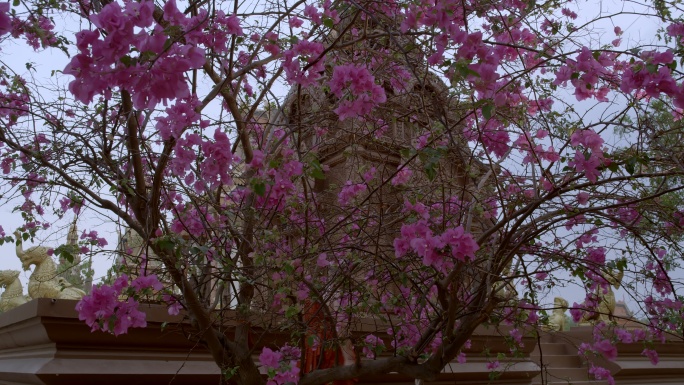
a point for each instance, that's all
(70, 271)
(72, 237)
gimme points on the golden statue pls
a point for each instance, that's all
(44, 281)
(606, 299)
(13, 295)
(557, 318)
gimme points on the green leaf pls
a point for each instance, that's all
(291, 312)
(464, 70)
(622, 264)
(487, 110)
(169, 41)
(259, 188)
(111, 323)
(67, 255)
(127, 60)
(165, 244)
(16, 3)
(147, 55)
(430, 158)
(317, 174)
(229, 373)
(430, 171)
(630, 165)
(275, 163)
(613, 167)
(494, 375)
(328, 22)
(316, 171)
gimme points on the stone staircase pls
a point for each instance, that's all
(560, 364)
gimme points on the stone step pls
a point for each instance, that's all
(536, 381)
(566, 374)
(551, 348)
(558, 360)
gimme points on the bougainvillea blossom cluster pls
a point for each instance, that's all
(368, 181)
(103, 309)
(357, 86)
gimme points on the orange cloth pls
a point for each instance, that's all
(316, 356)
